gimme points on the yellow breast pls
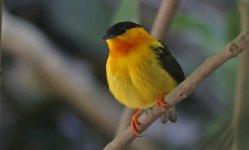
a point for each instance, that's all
(137, 79)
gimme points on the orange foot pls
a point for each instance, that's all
(134, 123)
(161, 103)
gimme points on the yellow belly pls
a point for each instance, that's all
(136, 80)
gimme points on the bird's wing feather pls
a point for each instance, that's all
(170, 65)
(168, 62)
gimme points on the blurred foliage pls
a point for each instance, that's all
(233, 23)
(52, 125)
(202, 34)
(83, 22)
(123, 15)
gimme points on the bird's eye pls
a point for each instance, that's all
(124, 29)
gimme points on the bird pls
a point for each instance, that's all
(140, 70)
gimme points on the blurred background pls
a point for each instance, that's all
(54, 90)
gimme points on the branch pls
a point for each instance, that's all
(185, 88)
(164, 17)
(241, 122)
(161, 25)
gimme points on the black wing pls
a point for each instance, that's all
(169, 63)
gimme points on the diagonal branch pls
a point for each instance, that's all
(183, 90)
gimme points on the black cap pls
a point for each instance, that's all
(118, 29)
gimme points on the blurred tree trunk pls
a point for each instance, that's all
(241, 112)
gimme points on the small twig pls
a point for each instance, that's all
(185, 88)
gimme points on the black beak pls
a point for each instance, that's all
(107, 36)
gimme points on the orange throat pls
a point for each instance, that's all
(118, 47)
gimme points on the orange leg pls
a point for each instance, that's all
(161, 103)
(134, 123)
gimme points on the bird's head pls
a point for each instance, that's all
(124, 37)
